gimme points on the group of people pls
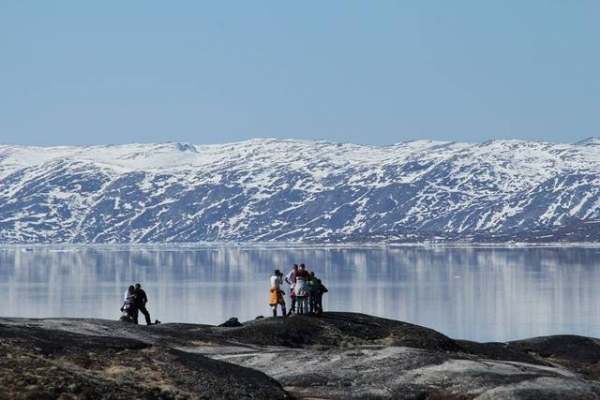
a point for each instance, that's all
(135, 300)
(306, 291)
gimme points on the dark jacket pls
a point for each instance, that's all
(140, 299)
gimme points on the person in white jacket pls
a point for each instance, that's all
(128, 309)
(290, 279)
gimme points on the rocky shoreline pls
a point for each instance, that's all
(333, 356)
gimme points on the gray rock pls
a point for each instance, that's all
(336, 355)
(231, 322)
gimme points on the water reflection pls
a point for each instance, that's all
(485, 294)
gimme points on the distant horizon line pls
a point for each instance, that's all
(275, 139)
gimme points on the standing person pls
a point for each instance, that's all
(140, 303)
(318, 295)
(301, 290)
(290, 279)
(129, 305)
(312, 287)
(276, 293)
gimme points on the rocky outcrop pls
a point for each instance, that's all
(336, 355)
(97, 359)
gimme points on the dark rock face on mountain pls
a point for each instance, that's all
(283, 190)
(333, 356)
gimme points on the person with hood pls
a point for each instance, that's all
(277, 294)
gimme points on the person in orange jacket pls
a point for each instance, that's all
(277, 293)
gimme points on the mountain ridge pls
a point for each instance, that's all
(266, 190)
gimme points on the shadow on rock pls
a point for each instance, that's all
(337, 329)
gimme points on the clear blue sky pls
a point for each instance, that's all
(370, 72)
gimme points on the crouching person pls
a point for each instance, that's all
(128, 308)
(276, 296)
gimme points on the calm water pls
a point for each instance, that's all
(484, 294)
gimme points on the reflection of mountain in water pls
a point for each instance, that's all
(474, 293)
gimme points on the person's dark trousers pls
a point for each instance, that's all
(133, 314)
(143, 310)
(318, 306)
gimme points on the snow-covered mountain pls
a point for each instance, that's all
(311, 191)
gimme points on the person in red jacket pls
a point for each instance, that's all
(301, 289)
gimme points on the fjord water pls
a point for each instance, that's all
(476, 293)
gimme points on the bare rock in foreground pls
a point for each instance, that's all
(333, 356)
